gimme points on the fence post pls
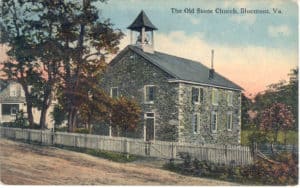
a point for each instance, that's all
(110, 131)
(147, 148)
(52, 136)
(254, 151)
(173, 150)
(126, 147)
(226, 154)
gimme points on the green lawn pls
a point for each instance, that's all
(292, 137)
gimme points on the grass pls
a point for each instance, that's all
(113, 156)
(291, 137)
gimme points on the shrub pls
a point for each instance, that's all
(61, 129)
(284, 171)
(187, 161)
(82, 130)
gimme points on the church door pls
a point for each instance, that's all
(149, 123)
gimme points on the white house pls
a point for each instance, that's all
(12, 100)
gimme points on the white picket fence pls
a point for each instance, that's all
(220, 154)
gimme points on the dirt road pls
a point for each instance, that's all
(25, 164)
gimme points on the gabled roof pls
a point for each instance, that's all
(5, 96)
(142, 20)
(181, 69)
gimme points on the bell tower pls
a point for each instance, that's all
(141, 33)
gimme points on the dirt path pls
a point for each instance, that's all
(25, 164)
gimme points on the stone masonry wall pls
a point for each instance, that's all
(205, 135)
(130, 74)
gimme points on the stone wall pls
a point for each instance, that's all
(130, 74)
(173, 105)
(205, 135)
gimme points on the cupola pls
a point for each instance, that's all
(141, 33)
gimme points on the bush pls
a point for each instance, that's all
(58, 115)
(283, 172)
(81, 130)
(187, 161)
(262, 172)
(61, 129)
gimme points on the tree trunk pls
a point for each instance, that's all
(46, 103)
(28, 104)
(43, 117)
(70, 122)
(72, 119)
(30, 115)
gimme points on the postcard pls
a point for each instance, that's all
(174, 92)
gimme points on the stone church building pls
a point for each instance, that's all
(181, 100)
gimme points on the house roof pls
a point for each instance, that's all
(182, 69)
(5, 92)
(142, 20)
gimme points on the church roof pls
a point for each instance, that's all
(182, 69)
(142, 20)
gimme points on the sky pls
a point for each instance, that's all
(253, 50)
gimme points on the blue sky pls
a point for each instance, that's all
(217, 28)
(243, 43)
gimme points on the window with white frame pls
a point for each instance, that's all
(149, 93)
(229, 98)
(229, 121)
(215, 96)
(201, 95)
(196, 123)
(13, 111)
(9, 109)
(13, 90)
(197, 95)
(214, 125)
(114, 93)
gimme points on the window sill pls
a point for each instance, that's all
(214, 132)
(149, 102)
(230, 130)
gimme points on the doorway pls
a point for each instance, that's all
(149, 130)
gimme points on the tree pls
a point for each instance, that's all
(96, 108)
(58, 115)
(281, 92)
(87, 40)
(62, 44)
(275, 118)
(125, 114)
(15, 33)
(246, 105)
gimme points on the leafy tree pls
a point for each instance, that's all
(15, 33)
(58, 115)
(281, 92)
(277, 117)
(57, 45)
(125, 114)
(97, 107)
(246, 105)
(87, 39)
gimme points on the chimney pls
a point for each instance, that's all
(211, 70)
